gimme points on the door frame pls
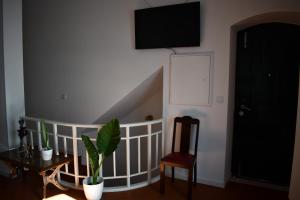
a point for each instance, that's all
(282, 17)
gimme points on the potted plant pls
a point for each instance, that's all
(107, 142)
(46, 151)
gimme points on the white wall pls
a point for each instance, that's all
(13, 67)
(85, 49)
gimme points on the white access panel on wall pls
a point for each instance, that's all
(191, 79)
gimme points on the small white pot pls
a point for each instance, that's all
(92, 192)
(46, 154)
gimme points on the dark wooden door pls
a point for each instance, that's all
(267, 78)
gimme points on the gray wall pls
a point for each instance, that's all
(13, 67)
(11, 72)
(11, 75)
(3, 128)
(145, 99)
(151, 106)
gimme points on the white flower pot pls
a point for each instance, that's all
(46, 154)
(92, 192)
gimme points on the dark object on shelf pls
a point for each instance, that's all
(28, 153)
(182, 158)
(149, 118)
(22, 133)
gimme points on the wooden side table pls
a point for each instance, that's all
(18, 159)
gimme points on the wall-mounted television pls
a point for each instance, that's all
(168, 26)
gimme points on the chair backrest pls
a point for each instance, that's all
(186, 128)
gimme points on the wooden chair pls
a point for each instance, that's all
(182, 158)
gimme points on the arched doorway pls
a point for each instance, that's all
(254, 151)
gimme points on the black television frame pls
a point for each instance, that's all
(155, 27)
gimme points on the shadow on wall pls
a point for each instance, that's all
(215, 143)
(138, 98)
(209, 143)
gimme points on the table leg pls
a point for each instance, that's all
(51, 179)
(45, 183)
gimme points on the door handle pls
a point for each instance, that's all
(243, 107)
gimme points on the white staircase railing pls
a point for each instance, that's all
(155, 139)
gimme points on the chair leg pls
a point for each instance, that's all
(162, 178)
(190, 183)
(173, 170)
(195, 174)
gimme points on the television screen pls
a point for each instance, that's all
(168, 26)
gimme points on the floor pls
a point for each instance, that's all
(29, 187)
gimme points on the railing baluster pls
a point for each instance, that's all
(162, 138)
(114, 163)
(75, 154)
(67, 168)
(56, 146)
(101, 168)
(66, 153)
(65, 147)
(39, 135)
(31, 140)
(55, 139)
(101, 171)
(149, 152)
(87, 163)
(139, 154)
(58, 177)
(156, 151)
(128, 155)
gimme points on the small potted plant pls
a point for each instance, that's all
(46, 151)
(107, 142)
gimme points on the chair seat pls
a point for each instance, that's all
(178, 159)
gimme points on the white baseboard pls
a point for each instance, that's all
(183, 176)
(216, 183)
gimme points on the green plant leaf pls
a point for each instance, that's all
(93, 154)
(45, 136)
(108, 138)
